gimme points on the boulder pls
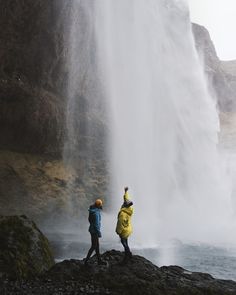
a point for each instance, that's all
(24, 250)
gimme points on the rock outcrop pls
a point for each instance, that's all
(37, 79)
(24, 250)
(221, 75)
(138, 276)
(229, 68)
(32, 75)
(35, 90)
(43, 188)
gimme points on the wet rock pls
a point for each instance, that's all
(33, 75)
(35, 79)
(137, 276)
(35, 82)
(24, 250)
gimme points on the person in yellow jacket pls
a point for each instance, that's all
(124, 226)
(126, 194)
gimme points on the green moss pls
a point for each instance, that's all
(24, 251)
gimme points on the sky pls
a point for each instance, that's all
(219, 17)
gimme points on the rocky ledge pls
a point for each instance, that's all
(138, 276)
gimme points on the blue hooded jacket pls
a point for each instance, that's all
(95, 221)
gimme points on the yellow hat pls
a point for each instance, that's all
(98, 203)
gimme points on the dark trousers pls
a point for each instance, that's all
(124, 242)
(94, 247)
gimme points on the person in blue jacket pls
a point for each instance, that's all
(95, 230)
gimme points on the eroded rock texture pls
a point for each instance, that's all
(32, 75)
(221, 75)
(48, 87)
(137, 277)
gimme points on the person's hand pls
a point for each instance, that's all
(99, 235)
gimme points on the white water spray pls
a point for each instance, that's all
(163, 121)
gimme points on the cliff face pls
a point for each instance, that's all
(32, 75)
(221, 75)
(229, 68)
(35, 71)
(32, 104)
(35, 104)
(38, 76)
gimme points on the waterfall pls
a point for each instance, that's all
(163, 122)
(84, 150)
(139, 111)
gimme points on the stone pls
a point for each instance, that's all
(221, 75)
(32, 75)
(24, 251)
(35, 80)
(137, 276)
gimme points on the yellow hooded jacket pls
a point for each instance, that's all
(126, 197)
(124, 227)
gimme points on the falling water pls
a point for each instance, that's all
(163, 122)
(84, 150)
(133, 69)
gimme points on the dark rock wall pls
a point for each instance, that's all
(49, 85)
(41, 67)
(32, 41)
(33, 74)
